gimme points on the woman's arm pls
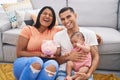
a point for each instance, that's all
(22, 48)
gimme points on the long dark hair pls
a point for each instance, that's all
(38, 24)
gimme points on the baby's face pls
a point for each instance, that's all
(76, 40)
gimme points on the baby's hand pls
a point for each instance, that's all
(78, 45)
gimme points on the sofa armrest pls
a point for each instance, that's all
(4, 25)
(1, 51)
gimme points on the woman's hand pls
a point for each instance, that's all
(77, 56)
(43, 55)
(47, 56)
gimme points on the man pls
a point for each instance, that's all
(69, 20)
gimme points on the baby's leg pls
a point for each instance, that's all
(82, 71)
(69, 67)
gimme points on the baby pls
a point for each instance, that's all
(78, 42)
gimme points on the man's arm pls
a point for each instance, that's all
(59, 58)
(73, 56)
(95, 60)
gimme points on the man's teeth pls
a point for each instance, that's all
(68, 24)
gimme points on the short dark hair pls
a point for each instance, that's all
(65, 9)
(38, 24)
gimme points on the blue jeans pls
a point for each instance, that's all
(62, 74)
(22, 70)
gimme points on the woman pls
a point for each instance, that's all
(31, 63)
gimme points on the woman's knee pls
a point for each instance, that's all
(36, 65)
(52, 67)
(51, 70)
(51, 62)
(35, 59)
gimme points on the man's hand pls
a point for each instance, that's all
(77, 56)
(99, 39)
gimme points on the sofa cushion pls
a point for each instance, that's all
(23, 16)
(3, 16)
(109, 62)
(11, 7)
(96, 12)
(111, 40)
(110, 50)
(10, 36)
(20, 19)
(56, 4)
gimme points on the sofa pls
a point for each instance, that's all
(101, 16)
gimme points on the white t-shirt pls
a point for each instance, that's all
(63, 40)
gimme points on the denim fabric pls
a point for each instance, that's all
(62, 74)
(22, 70)
(44, 75)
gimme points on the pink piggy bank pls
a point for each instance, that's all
(49, 47)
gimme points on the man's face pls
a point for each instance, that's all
(68, 19)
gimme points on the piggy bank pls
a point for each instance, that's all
(48, 47)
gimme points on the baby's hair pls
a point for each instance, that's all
(78, 34)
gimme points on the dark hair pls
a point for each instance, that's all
(78, 34)
(65, 9)
(38, 24)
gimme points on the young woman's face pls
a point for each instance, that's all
(46, 18)
(68, 19)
